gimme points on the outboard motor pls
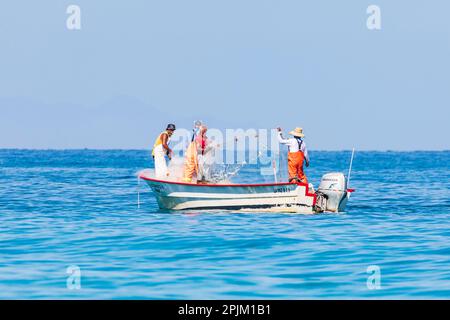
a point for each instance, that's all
(332, 193)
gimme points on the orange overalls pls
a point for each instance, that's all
(295, 167)
(191, 162)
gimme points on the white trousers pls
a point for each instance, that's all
(161, 170)
(203, 168)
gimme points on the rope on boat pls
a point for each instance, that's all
(138, 194)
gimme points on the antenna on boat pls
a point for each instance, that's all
(350, 168)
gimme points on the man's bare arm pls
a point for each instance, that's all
(164, 139)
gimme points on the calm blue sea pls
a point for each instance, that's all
(79, 208)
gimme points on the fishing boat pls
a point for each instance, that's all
(332, 195)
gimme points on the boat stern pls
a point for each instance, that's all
(332, 194)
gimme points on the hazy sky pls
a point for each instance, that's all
(136, 65)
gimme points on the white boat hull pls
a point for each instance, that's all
(185, 196)
(280, 197)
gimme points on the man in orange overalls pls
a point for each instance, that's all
(297, 155)
(196, 147)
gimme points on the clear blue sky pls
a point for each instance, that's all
(136, 65)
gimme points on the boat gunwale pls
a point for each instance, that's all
(225, 185)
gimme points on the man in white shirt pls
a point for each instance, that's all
(297, 155)
(161, 150)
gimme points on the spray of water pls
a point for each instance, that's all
(212, 172)
(239, 167)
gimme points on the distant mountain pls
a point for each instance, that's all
(121, 122)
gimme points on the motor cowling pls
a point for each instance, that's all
(332, 192)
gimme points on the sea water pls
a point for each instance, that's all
(70, 228)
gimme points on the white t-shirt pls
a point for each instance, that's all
(293, 145)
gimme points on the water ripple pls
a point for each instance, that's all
(62, 208)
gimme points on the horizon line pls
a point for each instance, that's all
(142, 149)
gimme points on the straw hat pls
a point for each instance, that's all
(297, 132)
